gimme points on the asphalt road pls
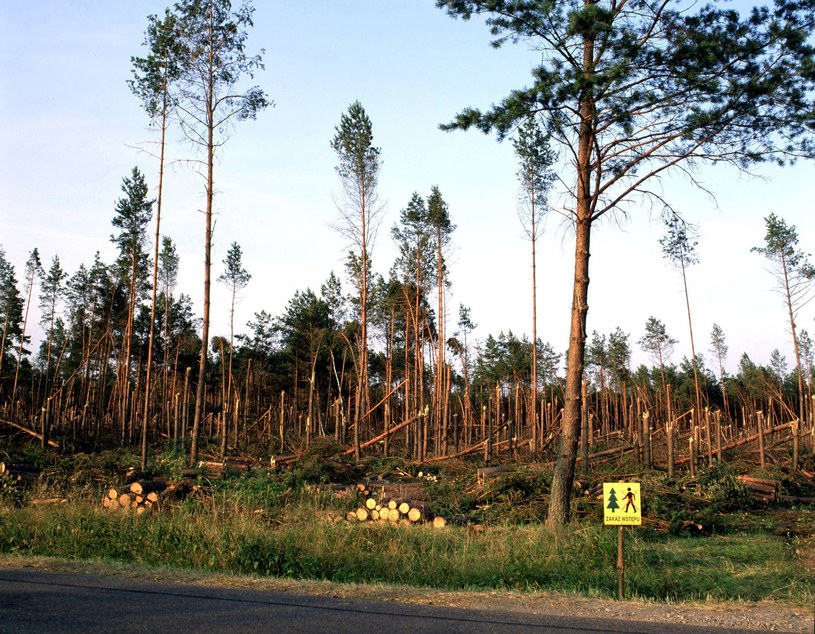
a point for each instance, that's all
(33, 601)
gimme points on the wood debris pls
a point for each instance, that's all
(147, 495)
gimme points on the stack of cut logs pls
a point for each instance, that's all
(16, 475)
(762, 490)
(145, 495)
(766, 491)
(593, 491)
(18, 472)
(388, 510)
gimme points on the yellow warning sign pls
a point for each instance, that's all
(622, 504)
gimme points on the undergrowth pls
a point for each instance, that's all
(280, 524)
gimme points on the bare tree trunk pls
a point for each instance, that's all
(692, 346)
(202, 360)
(563, 478)
(439, 399)
(788, 296)
(533, 407)
(148, 372)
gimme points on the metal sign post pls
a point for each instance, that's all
(622, 506)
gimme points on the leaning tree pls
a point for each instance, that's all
(795, 279)
(631, 90)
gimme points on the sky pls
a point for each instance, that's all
(71, 131)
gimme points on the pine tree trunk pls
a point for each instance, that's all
(150, 339)
(563, 478)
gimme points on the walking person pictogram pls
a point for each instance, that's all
(629, 500)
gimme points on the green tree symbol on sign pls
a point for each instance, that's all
(612, 501)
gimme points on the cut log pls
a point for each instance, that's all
(488, 472)
(237, 464)
(113, 493)
(439, 522)
(370, 504)
(761, 481)
(18, 466)
(362, 514)
(124, 500)
(393, 515)
(796, 499)
(404, 507)
(414, 514)
(760, 488)
(146, 486)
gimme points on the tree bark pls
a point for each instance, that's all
(559, 504)
(202, 360)
(563, 478)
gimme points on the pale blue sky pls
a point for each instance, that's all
(72, 131)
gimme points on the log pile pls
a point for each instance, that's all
(393, 511)
(387, 489)
(388, 502)
(146, 495)
(768, 491)
(19, 471)
(762, 490)
(16, 475)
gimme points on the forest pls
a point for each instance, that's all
(379, 362)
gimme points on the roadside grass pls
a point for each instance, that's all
(270, 527)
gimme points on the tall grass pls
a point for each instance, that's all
(294, 541)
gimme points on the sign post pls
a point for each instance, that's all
(622, 506)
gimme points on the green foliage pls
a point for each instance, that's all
(11, 307)
(725, 492)
(449, 498)
(170, 462)
(711, 503)
(324, 461)
(263, 523)
(679, 243)
(656, 341)
(518, 498)
(235, 276)
(359, 160)
(154, 74)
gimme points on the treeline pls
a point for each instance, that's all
(294, 376)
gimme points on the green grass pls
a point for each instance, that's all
(299, 544)
(275, 525)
